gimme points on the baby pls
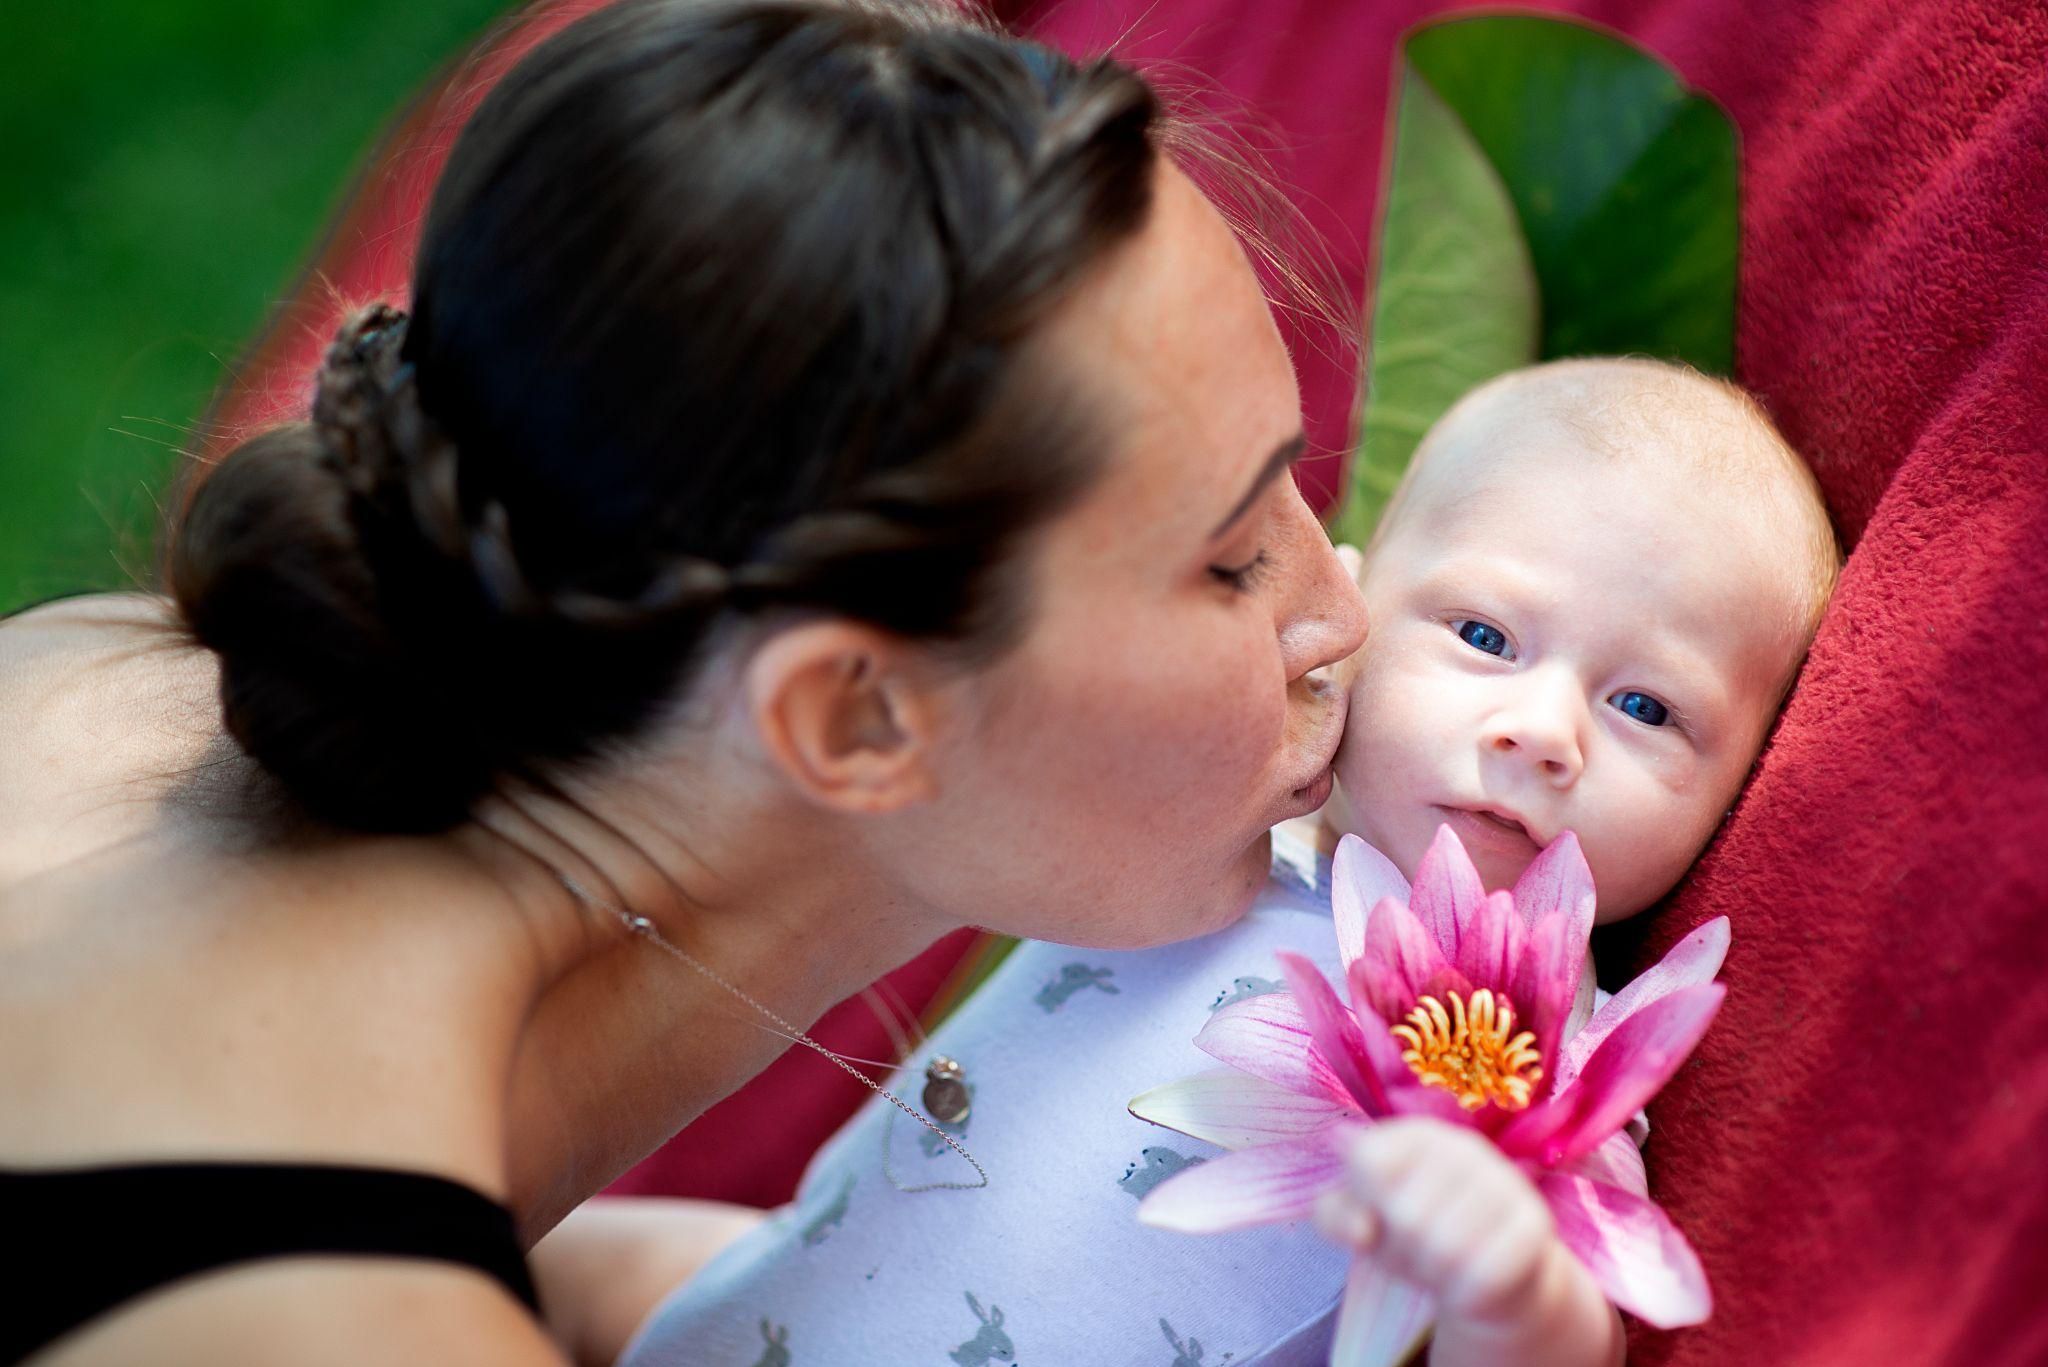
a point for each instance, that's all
(1588, 599)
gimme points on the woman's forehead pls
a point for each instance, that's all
(1173, 343)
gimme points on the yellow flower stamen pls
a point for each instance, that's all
(1472, 1050)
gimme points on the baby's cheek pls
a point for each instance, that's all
(1354, 763)
(1662, 828)
(1638, 851)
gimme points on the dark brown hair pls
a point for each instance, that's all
(719, 307)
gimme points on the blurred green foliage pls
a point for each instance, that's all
(1454, 301)
(170, 169)
(1555, 190)
(1623, 179)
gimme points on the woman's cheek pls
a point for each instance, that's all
(1229, 692)
(1173, 737)
(1234, 745)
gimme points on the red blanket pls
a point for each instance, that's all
(1854, 1149)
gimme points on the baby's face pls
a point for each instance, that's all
(1562, 641)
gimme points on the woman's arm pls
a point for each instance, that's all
(605, 1267)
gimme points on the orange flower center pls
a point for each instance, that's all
(1471, 1050)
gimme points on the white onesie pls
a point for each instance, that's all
(1047, 1265)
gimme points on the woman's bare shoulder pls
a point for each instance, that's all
(101, 697)
(67, 641)
(52, 617)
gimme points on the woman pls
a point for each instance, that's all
(831, 489)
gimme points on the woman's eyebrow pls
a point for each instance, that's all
(1284, 455)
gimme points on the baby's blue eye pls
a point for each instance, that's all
(1642, 707)
(1480, 636)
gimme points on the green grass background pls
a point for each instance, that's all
(168, 170)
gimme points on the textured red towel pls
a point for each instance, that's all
(1854, 1148)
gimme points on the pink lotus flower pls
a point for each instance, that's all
(1477, 1009)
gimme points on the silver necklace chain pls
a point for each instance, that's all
(645, 929)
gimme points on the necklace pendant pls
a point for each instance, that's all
(945, 1091)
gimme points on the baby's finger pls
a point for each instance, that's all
(1378, 1157)
(1435, 1224)
(1495, 1279)
(1464, 1226)
(1340, 1218)
(1353, 560)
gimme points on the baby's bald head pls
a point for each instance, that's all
(1711, 444)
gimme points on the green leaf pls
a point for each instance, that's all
(1553, 191)
(1669, 230)
(1624, 181)
(1455, 302)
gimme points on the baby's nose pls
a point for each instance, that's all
(1559, 762)
(1542, 733)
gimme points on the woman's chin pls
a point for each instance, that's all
(1236, 892)
(1219, 902)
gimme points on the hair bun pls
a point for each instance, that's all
(280, 566)
(352, 393)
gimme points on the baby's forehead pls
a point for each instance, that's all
(1617, 409)
(1679, 437)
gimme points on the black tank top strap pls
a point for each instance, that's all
(93, 1238)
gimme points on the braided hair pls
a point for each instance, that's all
(721, 307)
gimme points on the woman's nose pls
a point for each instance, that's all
(1323, 613)
(1541, 728)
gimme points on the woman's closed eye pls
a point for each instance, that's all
(1484, 637)
(1246, 577)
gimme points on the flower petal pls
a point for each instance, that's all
(1401, 964)
(1554, 979)
(1257, 1186)
(1360, 878)
(1582, 1006)
(1268, 1037)
(1236, 1110)
(1528, 1135)
(1546, 984)
(1617, 1162)
(1338, 1040)
(1640, 1259)
(1383, 1319)
(1447, 894)
(1491, 944)
(1558, 879)
(1629, 1068)
(1693, 960)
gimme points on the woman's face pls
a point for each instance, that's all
(1111, 780)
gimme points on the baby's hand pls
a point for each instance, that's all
(1444, 1210)
(1353, 560)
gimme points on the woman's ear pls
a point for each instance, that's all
(847, 712)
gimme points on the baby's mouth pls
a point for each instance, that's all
(1513, 827)
(1489, 819)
